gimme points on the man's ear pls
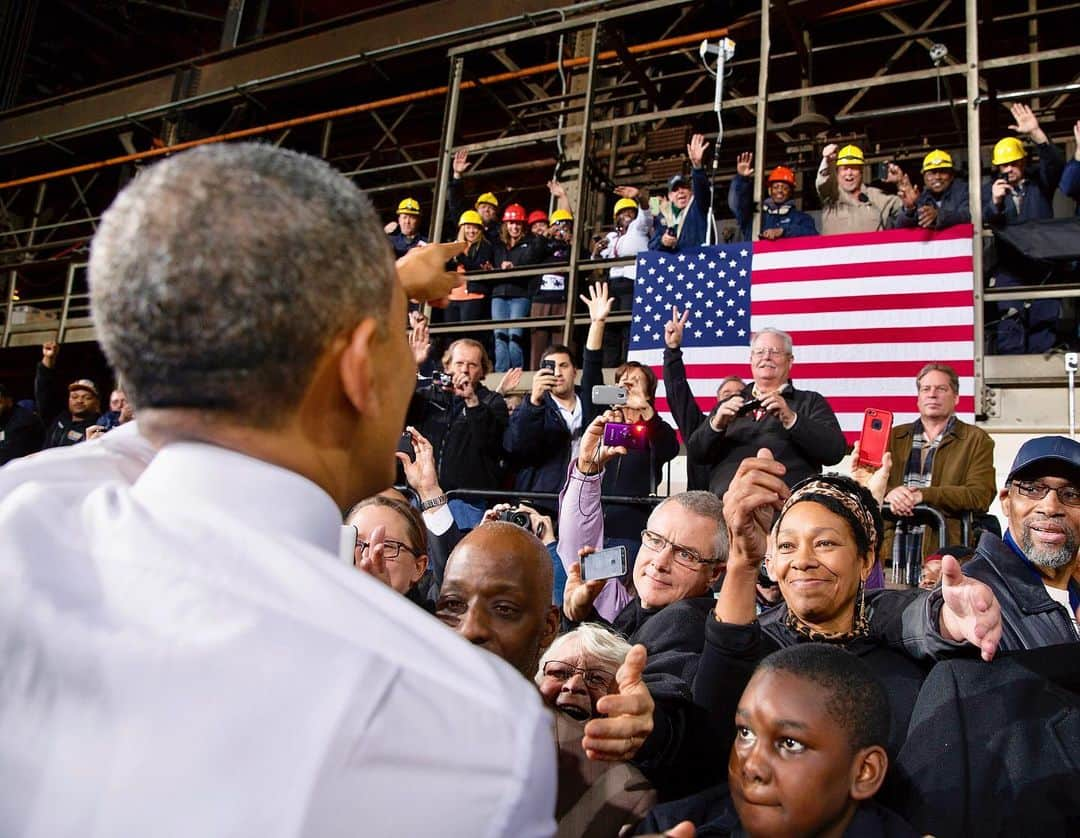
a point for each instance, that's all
(355, 367)
(552, 622)
(1006, 503)
(868, 772)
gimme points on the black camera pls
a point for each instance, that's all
(442, 381)
(518, 517)
(748, 406)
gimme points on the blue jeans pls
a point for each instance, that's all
(509, 343)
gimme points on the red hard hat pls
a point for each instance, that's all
(534, 216)
(782, 174)
(514, 212)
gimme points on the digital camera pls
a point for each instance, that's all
(518, 517)
(631, 437)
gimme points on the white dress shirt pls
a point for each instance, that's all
(185, 656)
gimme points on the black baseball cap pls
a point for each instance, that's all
(677, 182)
(1047, 450)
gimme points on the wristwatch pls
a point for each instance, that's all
(432, 503)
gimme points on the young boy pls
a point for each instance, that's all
(809, 754)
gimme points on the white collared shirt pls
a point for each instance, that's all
(185, 656)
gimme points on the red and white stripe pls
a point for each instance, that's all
(865, 312)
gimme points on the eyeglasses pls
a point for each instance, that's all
(391, 548)
(684, 556)
(769, 351)
(599, 680)
(1068, 495)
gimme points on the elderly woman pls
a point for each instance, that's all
(579, 668)
(826, 533)
(391, 545)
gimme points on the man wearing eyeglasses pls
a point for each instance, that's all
(798, 426)
(1030, 569)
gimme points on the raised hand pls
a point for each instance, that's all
(49, 351)
(509, 381)
(695, 150)
(460, 162)
(632, 192)
(593, 454)
(578, 595)
(628, 714)
(420, 473)
(543, 381)
(419, 340)
(969, 610)
(674, 328)
(744, 164)
(755, 493)
(1025, 121)
(599, 302)
(876, 480)
(829, 152)
(556, 189)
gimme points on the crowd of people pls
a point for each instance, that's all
(931, 196)
(253, 607)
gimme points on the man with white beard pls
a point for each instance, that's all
(1031, 568)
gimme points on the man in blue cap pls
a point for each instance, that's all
(683, 220)
(1030, 569)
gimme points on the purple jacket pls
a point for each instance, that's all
(581, 524)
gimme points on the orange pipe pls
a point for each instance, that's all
(405, 98)
(402, 99)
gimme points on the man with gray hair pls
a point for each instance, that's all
(186, 653)
(798, 426)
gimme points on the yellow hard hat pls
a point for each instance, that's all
(471, 217)
(624, 203)
(850, 155)
(409, 206)
(1008, 150)
(487, 198)
(937, 159)
(561, 215)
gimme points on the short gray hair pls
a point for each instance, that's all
(609, 649)
(789, 347)
(707, 505)
(223, 273)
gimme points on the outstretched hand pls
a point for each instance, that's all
(674, 328)
(969, 610)
(696, 149)
(744, 164)
(629, 714)
(422, 272)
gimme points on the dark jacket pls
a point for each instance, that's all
(1070, 182)
(479, 257)
(455, 205)
(695, 225)
(962, 478)
(713, 814)
(552, 285)
(638, 473)
(531, 250)
(814, 441)
(953, 207)
(1038, 191)
(732, 651)
(61, 428)
(467, 441)
(773, 216)
(20, 433)
(994, 750)
(402, 244)
(686, 412)
(1029, 617)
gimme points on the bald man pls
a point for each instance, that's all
(496, 593)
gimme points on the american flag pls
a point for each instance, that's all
(865, 312)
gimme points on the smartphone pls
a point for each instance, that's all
(631, 437)
(548, 364)
(606, 394)
(405, 445)
(874, 440)
(604, 564)
(347, 544)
